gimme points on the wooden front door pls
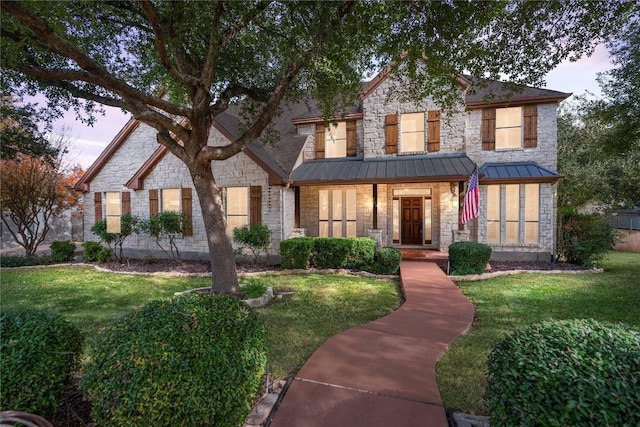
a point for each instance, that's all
(411, 226)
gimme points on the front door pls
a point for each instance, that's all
(411, 220)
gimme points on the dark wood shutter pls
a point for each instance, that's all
(153, 203)
(391, 122)
(97, 206)
(488, 129)
(433, 128)
(126, 203)
(530, 126)
(320, 141)
(352, 148)
(187, 212)
(255, 205)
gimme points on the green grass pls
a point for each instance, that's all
(507, 303)
(320, 306)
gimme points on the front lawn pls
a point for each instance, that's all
(319, 307)
(507, 303)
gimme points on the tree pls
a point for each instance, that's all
(20, 133)
(33, 192)
(177, 65)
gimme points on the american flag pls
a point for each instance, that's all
(471, 199)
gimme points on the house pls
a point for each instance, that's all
(389, 169)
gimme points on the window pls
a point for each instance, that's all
(335, 142)
(412, 132)
(171, 200)
(114, 212)
(507, 215)
(337, 213)
(509, 127)
(237, 207)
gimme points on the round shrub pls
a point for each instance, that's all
(38, 351)
(95, 252)
(197, 359)
(565, 373)
(468, 257)
(62, 251)
(387, 261)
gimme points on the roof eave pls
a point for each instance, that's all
(514, 102)
(532, 180)
(395, 180)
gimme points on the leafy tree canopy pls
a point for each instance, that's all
(177, 65)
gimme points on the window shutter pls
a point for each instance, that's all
(391, 122)
(530, 126)
(352, 149)
(255, 205)
(488, 129)
(97, 205)
(153, 202)
(126, 203)
(320, 141)
(433, 123)
(187, 215)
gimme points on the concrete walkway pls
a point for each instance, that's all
(382, 373)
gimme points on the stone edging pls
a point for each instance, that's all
(485, 276)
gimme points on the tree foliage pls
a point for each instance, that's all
(33, 192)
(177, 65)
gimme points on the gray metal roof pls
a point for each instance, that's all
(426, 168)
(517, 171)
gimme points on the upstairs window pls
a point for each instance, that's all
(508, 128)
(336, 141)
(411, 132)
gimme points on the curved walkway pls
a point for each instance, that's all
(382, 373)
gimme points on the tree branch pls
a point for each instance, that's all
(56, 44)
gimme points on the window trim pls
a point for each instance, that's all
(422, 132)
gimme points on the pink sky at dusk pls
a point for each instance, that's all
(577, 77)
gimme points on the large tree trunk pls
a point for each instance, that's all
(223, 266)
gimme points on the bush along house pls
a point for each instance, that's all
(392, 170)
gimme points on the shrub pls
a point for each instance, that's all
(255, 237)
(197, 359)
(468, 257)
(387, 261)
(128, 225)
(39, 350)
(583, 238)
(296, 252)
(169, 225)
(9, 261)
(565, 373)
(62, 251)
(253, 289)
(334, 252)
(95, 252)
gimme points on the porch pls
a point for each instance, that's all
(418, 253)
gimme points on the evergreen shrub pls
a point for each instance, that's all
(62, 251)
(39, 351)
(296, 252)
(387, 261)
(197, 359)
(565, 373)
(468, 257)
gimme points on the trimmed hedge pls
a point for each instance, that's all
(39, 350)
(387, 261)
(468, 257)
(328, 252)
(296, 252)
(197, 359)
(11, 261)
(565, 373)
(62, 251)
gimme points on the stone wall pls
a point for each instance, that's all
(238, 171)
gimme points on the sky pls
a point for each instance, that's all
(575, 77)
